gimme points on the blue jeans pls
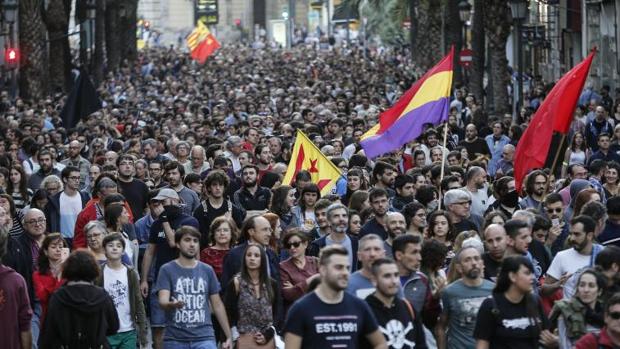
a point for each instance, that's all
(35, 323)
(170, 344)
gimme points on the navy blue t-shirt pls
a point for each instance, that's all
(157, 236)
(327, 326)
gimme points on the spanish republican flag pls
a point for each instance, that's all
(201, 43)
(427, 101)
(306, 156)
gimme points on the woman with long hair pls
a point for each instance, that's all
(16, 228)
(47, 278)
(513, 314)
(576, 153)
(359, 201)
(304, 210)
(355, 223)
(415, 218)
(116, 218)
(298, 271)
(581, 314)
(433, 261)
(17, 187)
(282, 201)
(223, 235)
(440, 228)
(252, 301)
(585, 196)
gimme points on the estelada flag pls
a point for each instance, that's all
(554, 114)
(307, 156)
(426, 102)
(201, 43)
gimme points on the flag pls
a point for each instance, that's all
(306, 156)
(201, 43)
(554, 114)
(82, 101)
(427, 101)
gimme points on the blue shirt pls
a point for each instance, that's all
(496, 147)
(143, 229)
(193, 286)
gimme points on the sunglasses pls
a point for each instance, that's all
(615, 315)
(295, 244)
(556, 210)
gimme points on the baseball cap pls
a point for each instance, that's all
(166, 193)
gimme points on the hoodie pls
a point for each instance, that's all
(15, 312)
(79, 316)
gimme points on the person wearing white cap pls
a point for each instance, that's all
(167, 205)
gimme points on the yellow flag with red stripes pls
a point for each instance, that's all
(201, 43)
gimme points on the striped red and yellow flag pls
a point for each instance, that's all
(201, 43)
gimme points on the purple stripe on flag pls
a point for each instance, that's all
(407, 128)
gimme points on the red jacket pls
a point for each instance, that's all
(89, 213)
(592, 341)
(44, 286)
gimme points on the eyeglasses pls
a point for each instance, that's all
(128, 163)
(74, 178)
(615, 315)
(295, 244)
(462, 203)
(154, 169)
(556, 210)
(82, 140)
(36, 221)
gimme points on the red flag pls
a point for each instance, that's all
(205, 49)
(555, 114)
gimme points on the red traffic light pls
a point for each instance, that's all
(11, 56)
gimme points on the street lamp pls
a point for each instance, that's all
(518, 9)
(464, 11)
(9, 8)
(91, 15)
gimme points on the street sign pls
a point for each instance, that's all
(466, 57)
(206, 11)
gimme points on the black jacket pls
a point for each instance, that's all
(52, 211)
(19, 257)
(79, 316)
(315, 248)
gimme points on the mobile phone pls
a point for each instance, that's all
(555, 222)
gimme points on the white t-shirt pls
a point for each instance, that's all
(479, 201)
(567, 261)
(117, 286)
(70, 207)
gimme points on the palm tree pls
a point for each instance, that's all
(497, 26)
(57, 21)
(34, 64)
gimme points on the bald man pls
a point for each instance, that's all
(506, 163)
(495, 243)
(396, 226)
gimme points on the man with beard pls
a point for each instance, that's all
(75, 159)
(252, 197)
(496, 243)
(496, 142)
(156, 171)
(188, 290)
(554, 207)
(400, 325)
(383, 175)
(476, 185)
(174, 173)
(131, 187)
(338, 217)
(330, 317)
(263, 154)
(477, 148)
(582, 254)
(535, 185)
(379, 204)
(370, 249)
(46, 168)
(461, 301)
(396, 226)
(405, 191)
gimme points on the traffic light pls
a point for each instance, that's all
(11, 57)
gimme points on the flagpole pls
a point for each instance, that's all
(555, 161)
(443, 158)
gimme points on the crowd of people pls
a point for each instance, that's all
(163, 219)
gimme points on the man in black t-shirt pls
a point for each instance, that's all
(477, 148)
(134, 189)
(495, 241)
(330, 317)
(398, 322)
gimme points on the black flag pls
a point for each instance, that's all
(82, 102)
